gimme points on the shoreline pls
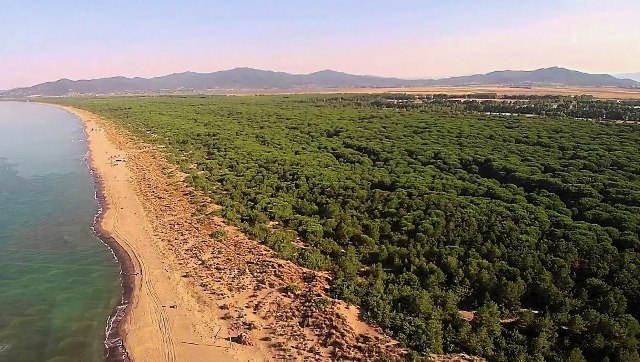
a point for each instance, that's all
(115, 348)
(143, 325)
(114, 338)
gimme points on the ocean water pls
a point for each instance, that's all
(58, 282)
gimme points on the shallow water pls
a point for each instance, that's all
(58, 282)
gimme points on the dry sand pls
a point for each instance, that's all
(201, 299)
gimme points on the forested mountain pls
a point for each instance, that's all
(255, 79)
(530, 225)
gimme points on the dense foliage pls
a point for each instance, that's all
(425, 212)
(585, 107)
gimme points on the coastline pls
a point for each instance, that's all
(115, 349)
(140, 327)
(190, 297)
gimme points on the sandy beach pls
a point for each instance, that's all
(200, 298)
(158, 325)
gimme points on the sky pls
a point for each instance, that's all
(44, 40)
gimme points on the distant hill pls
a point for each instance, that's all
(544, 76)
(255, 79)
(634, 76)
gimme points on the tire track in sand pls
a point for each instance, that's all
(159, 316)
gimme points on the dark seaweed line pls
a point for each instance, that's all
(115, 349)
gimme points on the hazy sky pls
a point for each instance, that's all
(78, 39)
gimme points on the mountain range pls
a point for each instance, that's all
(255, 79)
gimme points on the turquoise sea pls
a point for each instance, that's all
(58, 282)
